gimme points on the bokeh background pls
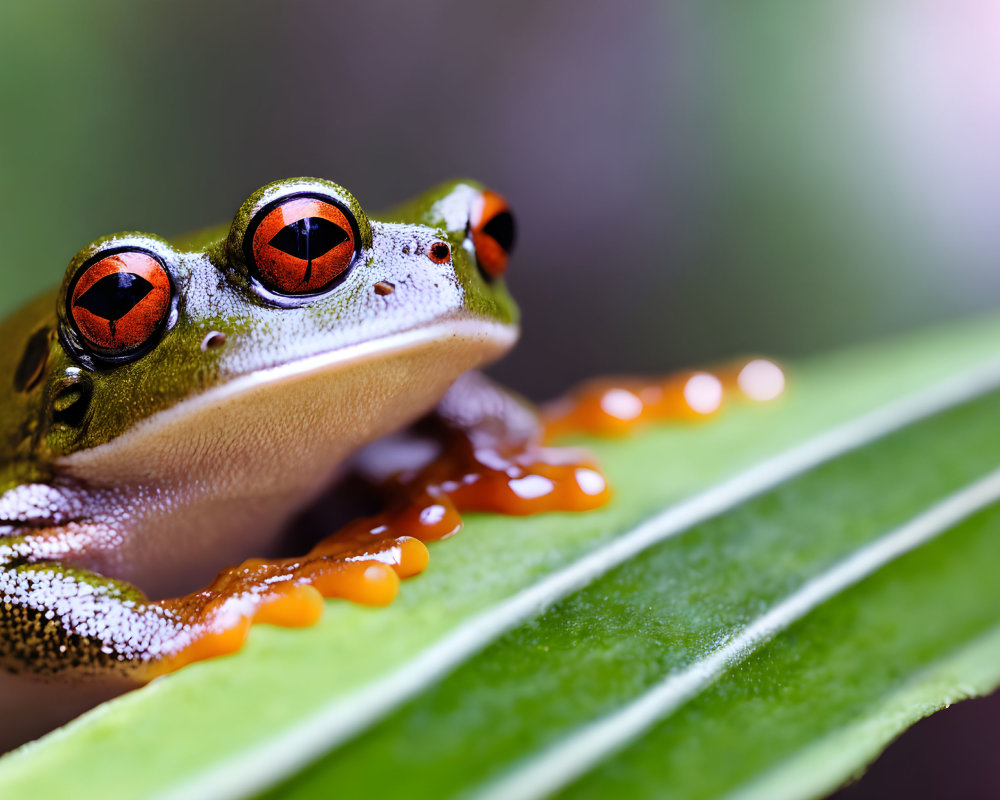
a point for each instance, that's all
(692, 180)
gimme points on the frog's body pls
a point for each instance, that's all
(155, 441)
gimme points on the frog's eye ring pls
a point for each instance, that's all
(493, 232)
(301, 244)
(119, 301)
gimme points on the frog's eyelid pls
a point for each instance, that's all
(276, 192)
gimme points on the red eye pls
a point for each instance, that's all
(301, 246)
(493, 232)
(119, 303)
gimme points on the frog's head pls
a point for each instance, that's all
(305, 325)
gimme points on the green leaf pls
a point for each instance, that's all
(768, 600)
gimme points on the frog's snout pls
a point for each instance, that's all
(492, 231)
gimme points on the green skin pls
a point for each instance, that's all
(161, 470)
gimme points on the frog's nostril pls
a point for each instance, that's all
(213, 340)
(493, 231)
(439, 253)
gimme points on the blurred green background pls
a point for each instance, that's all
(692, 180)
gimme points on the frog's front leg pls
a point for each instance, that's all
(57, 620)
(62, 621)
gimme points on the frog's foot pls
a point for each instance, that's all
(362, 562)
(482, 450)
(616, 406)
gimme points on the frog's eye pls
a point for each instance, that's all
(301, 245)
(118, 302)
(493, 232)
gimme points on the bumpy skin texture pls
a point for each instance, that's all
(58, 620)
(161, 469)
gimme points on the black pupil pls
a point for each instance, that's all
(114, 295)
(501, 228)
(309, 238)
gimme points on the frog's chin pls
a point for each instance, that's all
(316, 409)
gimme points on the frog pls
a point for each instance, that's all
(174, 404)
(175, 408)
